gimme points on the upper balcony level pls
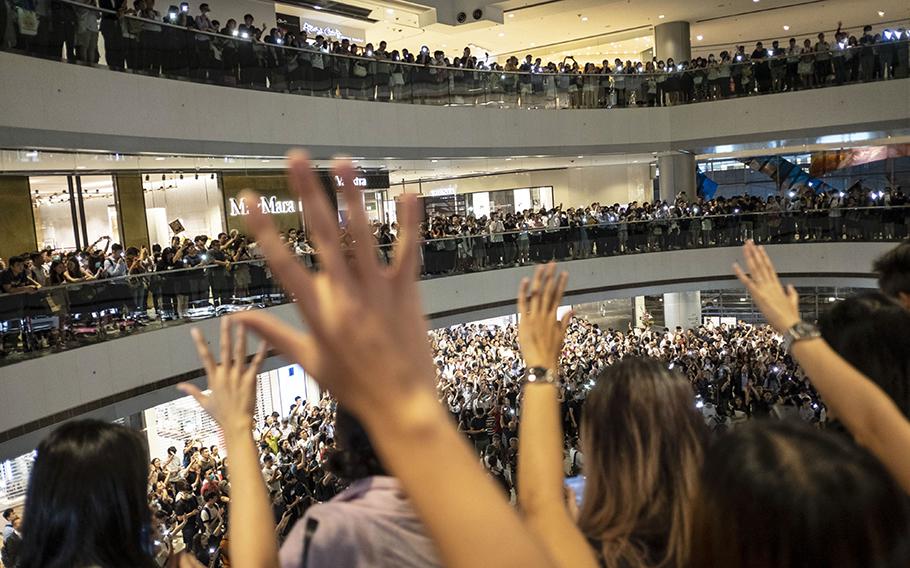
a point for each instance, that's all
(184, 91)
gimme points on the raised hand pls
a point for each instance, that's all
(367, 338)
(232, 383)
(779, 305)
(367, 344)
(540, 334)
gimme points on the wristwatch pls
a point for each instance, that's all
(799, 331)
(539, 375)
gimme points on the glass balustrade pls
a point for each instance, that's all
(56, 318)
(168, 46)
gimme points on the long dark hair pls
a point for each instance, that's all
(86, 502)
(785, 494)
(870, 332)
(353, 457)
(643, 442)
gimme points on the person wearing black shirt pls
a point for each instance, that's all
(186, 506)
(762, 70)
(14, 279)
(219, 277)
(114, 44)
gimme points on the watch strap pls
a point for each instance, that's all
(534, 375)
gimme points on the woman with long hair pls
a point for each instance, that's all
(87, 502)
(642, 438)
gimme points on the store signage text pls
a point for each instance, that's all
(358, 181)
(271, 205)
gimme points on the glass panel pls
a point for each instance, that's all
(101, 218)
(53, 214)
(196, 203)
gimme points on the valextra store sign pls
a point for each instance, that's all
(270, 205)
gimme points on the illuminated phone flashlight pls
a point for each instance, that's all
(244, 35)
(369, 53)
(172, 16)
(279, 41)
(205, 257)
(739, 57)
(770, 53)
(888, 34)
(235, 33)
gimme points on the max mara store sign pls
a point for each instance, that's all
(270, 205)
(279, 203)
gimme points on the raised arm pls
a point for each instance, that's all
(541, 495)
(870, 414)
(231, 403)
(367, 344)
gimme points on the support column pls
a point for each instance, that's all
(130, 201)
(682, 309)
(16, 217)
(677, 174)
(638, 309)
(672, 40)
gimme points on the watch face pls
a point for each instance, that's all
(803, 329)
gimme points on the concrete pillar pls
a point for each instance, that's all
(682, 309)
(16, 217)
(672, 40)
(638, 308)
(677, 173)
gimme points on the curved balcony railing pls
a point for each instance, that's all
(76, 33)
(57, 318)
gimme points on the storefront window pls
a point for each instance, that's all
(63, 221)
(374, 202)
(482, 203)
(196, 203)
(101, 218)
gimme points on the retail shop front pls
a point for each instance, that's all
(71, 210)
(447, 201)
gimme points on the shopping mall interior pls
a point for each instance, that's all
(723, 188)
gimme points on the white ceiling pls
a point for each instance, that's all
(622, 28)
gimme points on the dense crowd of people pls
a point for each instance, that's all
(202, 276)
(736, 372)
(249, 53)
(457, 243)
(658, 488)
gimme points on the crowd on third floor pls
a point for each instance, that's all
(139, 36)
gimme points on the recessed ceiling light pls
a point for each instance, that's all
(511, 15)
(434, 161)
(533, 44)
(159, 159)
(508, 159)
(318, 7)
(699, 37)
(786, 28)
(502, 34)
(80, 167)
(661, 17)
(756, 1)
(580, 157)
(389, 11)
(881, 14)
(584, 18)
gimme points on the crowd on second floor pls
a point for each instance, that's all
(116, 289)
(139, 36)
